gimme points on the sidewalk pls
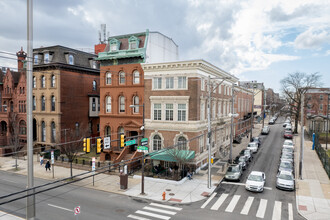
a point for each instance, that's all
(184, 191)
(313, 191)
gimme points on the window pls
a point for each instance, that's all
(136, 77)
(43, 106)
(121, 104)
(169, 82)
(34, 83)
(201, 144)
(108, 80)
(321, 107)
(43, 131)
(53, 103)
(157, 112)
(121, 78)
(182, 143)
(46, 58)
(108, 104)
(71, 59)
(22, 128)
(157, 83)
(36, 59)
(321, 97)
(53, 132)
(98, 104)
(94, 85)
(33, 103)
(107, 131)
(182, 112)
(93, 105)
(43, 81)
(52, 84)
(182, 82)
(133, 42)
(113, 47)
(136, 102)
(133, 45)
(157, 143)
(169, 112)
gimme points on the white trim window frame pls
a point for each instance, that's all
(182, 112)
(121, 104)
(108, 78)
(169, 110)
(169, 82)
(157, 83)
(108, 104)
(136, 108)
(136, 77)
(182, 82)
(122, 78)
(157, 112)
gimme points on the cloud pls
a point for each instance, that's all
(312, 39)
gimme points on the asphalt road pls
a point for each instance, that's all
(230, 200)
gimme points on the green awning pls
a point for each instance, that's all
(173, 155)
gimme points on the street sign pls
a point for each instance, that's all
(131, 142)
(77, 210)
(144, 141)
(93, 164)
(107, 143)
(142, 149)
(52, 156)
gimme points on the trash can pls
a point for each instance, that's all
(123, 181)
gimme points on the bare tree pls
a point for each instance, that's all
(14, 135)
(294, 87)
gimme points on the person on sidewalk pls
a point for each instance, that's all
(47, 166)
(189, 175)
(41, 160)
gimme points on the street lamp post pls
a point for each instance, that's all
(232, 115)
(326, 137)
(142, 128)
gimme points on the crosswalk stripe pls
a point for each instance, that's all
(159, 210)
(290, 211)
(153, 215)
(262, 208)
(137, 217)
(277, 210)
(207, 201)
(247, 206)
(166, 206)
(232, 204)
(219, 202)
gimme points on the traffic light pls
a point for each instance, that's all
(99, 145)
(122, 140)
(87, 145)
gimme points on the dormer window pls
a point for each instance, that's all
(71, 59)
(133, 42)
(36, 59)
(69, 56)
(114, 44)
(46, 58)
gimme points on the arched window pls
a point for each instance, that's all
(108, 78)
(121, 104)
(53, 103)
(182, 143)
(12, 106)
(43, 81)
(108, 104)
(136, 77)
(34, 85)
(53, 132)
(121, 78)
(94, 85)
(22, 127)
(156, 142)
(43, 106)
(43, 131)
(34, 104)
(107, 131)
(53, 81)
(136, 103)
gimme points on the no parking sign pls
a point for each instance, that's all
(77, 210)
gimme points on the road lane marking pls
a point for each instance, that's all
(242, 184)
(159, 210)
(262, 208)
(219, 202)
(277, 210)
(207, 201)
(153, 215)
(247, 206)
(232, 204)
(290, 211)
(59, 207)
(137, 217)
(166, 206)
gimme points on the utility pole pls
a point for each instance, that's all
(30, 202)
(301, 136)
(232, 124)
(209, 132)
(326, 137)
(252, 116)
(264, 112)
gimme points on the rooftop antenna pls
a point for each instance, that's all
(103, 30)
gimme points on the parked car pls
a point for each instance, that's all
(253, 146)
(257, 140)
(286, 166)
(243, 161)
(247, 153)
(256, 181)
(271, 121)
(288, 128)
(288, 134)
(265, 130)
(287, 157)
(287, 150)
(288, 143)
(234, 172)
(285, 180)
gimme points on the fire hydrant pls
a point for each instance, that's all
(164, 194)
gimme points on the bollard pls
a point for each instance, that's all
(164, 194)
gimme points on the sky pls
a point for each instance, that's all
(252, 39)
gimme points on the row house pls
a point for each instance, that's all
(65, 95)
(258, 90)
(13, 106)
(175, 99)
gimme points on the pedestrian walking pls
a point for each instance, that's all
(47, 166)
(41, 160)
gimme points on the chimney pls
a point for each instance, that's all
(21, 55)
